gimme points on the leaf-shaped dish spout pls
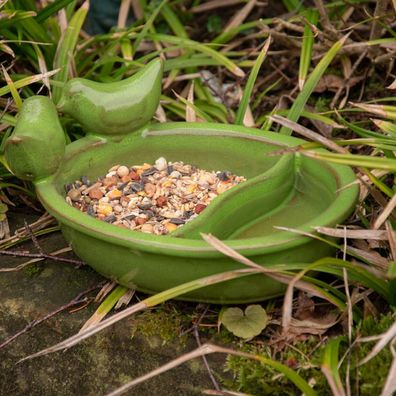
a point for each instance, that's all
(114, 108)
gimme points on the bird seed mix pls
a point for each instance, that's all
(154, 199)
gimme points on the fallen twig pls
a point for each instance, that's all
(79, 263)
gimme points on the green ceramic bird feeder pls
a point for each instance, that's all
(287, 190)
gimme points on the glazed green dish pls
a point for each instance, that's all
(281, 191)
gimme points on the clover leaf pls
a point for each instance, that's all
(244, 324)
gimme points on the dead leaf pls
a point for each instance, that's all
(105, 290)
(314, 325)
(190, 112)
(240, 16)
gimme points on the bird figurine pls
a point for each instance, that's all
(37, 145)
(114, 108)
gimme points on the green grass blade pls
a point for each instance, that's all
(359, 130)
(106, 306)
(225, 37)
(193, 45)
(385, 111)
(12, 88)
(173, 21)
(290, 374)
(14, 18)
(312, 16)
(386, 126)
(247, 92)
(199, 112)
(51, 9)
(66, 48)
(148, 25)
(23, 82)
(313, 79)
(262, 94)
(330, 367)
(8, 119)
(364, 161)
(357, 273)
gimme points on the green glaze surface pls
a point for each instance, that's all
(37, 144)
(281, 191)
(114, 108)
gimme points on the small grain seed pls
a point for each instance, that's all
(175, 174)
(161, 164)
(144, 206)
(136, 187)
(177, 221)
(86, 181)
(110, 181)
(114, 194)
(95, 193)
(170, 227)
(150, 198)
(161, 201)
(111, 174)
(122, 171)
(110, 219)
(149, 172)
(118, 208)
(140, 220)
(148, 228)
(74, 195)
(149, 189)
(68, 187)
(105, 209)
(199, 208)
